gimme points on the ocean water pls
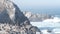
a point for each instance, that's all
(55, 22)
(52, 25)
(49, 11)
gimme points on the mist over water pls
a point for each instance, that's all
(51, 7)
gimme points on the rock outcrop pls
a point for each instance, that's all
(36, 17)
(13, 21)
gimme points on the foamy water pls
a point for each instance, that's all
(54, 25)
(55, 22)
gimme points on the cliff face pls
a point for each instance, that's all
(10, 13)
(13, 21)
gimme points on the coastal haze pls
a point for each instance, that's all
(51, 7)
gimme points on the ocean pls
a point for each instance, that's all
(49, 11)
(52, 25)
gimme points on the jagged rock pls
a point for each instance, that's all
(14, 29)
(10, 13)
(34, 29)
(12, 20)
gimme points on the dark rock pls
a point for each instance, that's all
(10, 13)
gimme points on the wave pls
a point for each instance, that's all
(54, 20)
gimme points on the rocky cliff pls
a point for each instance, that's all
(13, 21)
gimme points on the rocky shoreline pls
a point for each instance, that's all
(14, 29)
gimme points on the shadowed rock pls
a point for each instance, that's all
(10, 13)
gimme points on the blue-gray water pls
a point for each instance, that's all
(44, 11)
(48, 28)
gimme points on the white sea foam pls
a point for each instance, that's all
(55, 22)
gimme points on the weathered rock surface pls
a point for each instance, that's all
(13, 21)
(14, 29)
